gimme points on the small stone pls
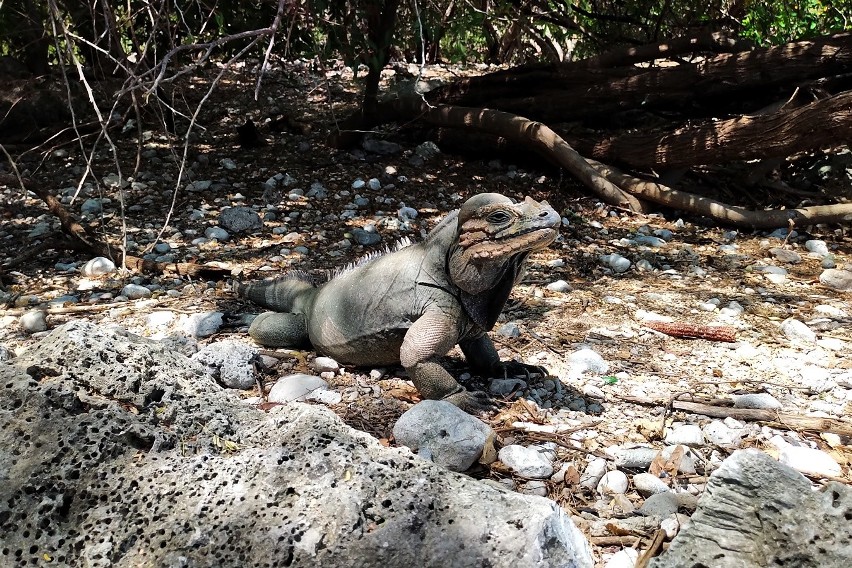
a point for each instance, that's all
(559, 286)
(617, 262)
(374, 184)
(586, 360)
(358, 184)
(295, 387)
(502, 387)
(649, 484)
(798, 332)
(427, 150)
(238, 220)
(673, 524)
(635, 458)
(535, 487)
(828, 262)
(406, 213)
(837, 279)
(97, 267)
(593, 473)
(688, 435)
(624, 558)
(760, 400)
(509, 329)
(135, 292)
(784, 255)
(613, 483)
(660, 505)
(229, 362)
(203, 324)
(366, 238)
(217, 233)
(34, 321)
(325, 364)
(526, 462)
(720, 434)
(91, 207)
(162, 248)
(817, 247)
(806, 460)
(228, 164)
(649, 241)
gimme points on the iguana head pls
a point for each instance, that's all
(494, 236)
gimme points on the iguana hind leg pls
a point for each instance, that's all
(483, 358)
(430, 337)
(273, 329)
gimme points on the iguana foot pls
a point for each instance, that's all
(475, 402)
(506, 369)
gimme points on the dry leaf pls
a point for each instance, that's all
(572, 475)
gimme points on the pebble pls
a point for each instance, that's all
(617, 262)
(535, 487)
(828, 262)
(366, 238)
(634, 458)
(761, 400)
(135, 292)
(784, 255)
(230, 362)
(674, 523)
(718, 433)
(593, 473)
(688, 435)
(238, 220)
(559, 286)
(98, 266)
(325, 364)
(837, 279)
(228, 164)
(162, 248)
(202, 324)
(91, 207)
(586, 360)
(34, 321)
(647, 240)
(817, 247)
(660, 505)
(358, 184)
(613, 483)
(217, 233)
(649, 484)
(295, 387)
(374, 184)
(509, 329)
(624, 558)
(526, 461)
(806, 460)
(732, 310)
(502, 387)
(798, 332)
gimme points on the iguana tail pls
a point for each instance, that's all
(285, 294)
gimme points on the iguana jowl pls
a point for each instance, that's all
(413, 305)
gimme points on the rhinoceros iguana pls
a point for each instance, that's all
(411, 306)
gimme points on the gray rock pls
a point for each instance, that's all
(374, 184)
(502, 387)
(756, 512)
(366, 238)
(526, 461)
(593, 473)
(837, 279)
(616, 262)
(217, 233)
(427, 150)
(443, 433)
(382, 147)
(718, 433)
(535, 487)
(115, 423)
(295, 387)
(508, 329)
(98, 266)
(635, 458)
(688, 435)
(6, 354)
(135, 292)
(756, 400)
(784, 255)
(798, 332)
(92, 207)
(39, 229)
(204, 324)
(649, 484)
(817, 247)
(559, 286)
(239, 219)
(325, 364)
(162, 248)
(229, 362)
(34, 321)
(64, 299)
(228, 164)
(660, 505)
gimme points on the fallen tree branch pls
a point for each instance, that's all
(695, 331)
(773, 418)
(722, 212)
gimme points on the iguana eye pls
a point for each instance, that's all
(498, 217)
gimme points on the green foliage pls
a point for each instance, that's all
(781, 22)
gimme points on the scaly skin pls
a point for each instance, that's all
(413, 305)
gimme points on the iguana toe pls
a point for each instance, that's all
(476, 402)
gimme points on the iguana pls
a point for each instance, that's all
(411, 306)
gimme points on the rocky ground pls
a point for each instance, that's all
(588, 310)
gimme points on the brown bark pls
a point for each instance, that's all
(822, 123)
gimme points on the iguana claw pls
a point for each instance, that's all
(506, 369)
(472, 402)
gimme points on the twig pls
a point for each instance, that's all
(695, 331)
(653, 549)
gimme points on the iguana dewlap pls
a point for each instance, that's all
(413, 305)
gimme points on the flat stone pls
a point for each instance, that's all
(760, 400)
(649, 484)
(837, 279)
(135, 292)
(688, 435)
(526, 461)
(295, 387)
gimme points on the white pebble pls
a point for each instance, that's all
(624, 558)
(649, 484)
(34, 321)
(688, 435)
(527, 462)
(613, 483)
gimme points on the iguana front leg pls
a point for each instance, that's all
(430, 337)
(483, 359)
